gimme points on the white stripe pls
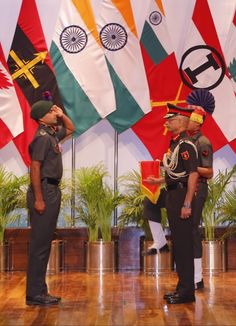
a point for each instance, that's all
(10, 110)
(225, 112)
(127, 62)
(230, 49)
(88, 66)
(160, 30)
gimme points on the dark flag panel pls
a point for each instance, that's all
(31, 69)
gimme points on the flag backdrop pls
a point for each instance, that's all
(78, 51)
(163, 78)
(31, 69)
(11, 120)
(202, 65)
(80, 66)
(230, 52)
(117, 30)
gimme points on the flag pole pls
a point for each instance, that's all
(73, 182)
(115, 171)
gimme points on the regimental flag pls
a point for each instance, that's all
(150, 168)
(230, 51)
(163, 78)
(31, 69)
(202, 65)
(117, 30)
(80, 65)
(11, 120)
(230, 57)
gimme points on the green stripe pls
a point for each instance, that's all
(127, 111)
(77, 104)
(152, 44)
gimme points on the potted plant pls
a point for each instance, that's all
(132, 214)
(214, 215)
(132, 204)
(12, 198)
(228, 210)
(95, 202)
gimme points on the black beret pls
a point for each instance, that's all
(40, 108)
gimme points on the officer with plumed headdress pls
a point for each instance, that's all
(203, 103)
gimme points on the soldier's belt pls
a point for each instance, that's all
(176, 185)
(51, 181)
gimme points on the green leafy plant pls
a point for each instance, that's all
(228, 211)
(218, 202)
(132, 202)
(95, 200)
(106, 207)
(66, 202)
(12, 197)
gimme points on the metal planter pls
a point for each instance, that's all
(56, 258)
(156, 264)
(101, 256)
(213, 256)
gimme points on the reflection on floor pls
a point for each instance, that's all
(118, 299)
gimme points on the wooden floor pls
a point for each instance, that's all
(118, 299)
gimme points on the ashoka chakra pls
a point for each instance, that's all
(155, 18)
(73, 39)
(113, 37)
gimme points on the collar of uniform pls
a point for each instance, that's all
(194, 135)
(175, 138)
(179, 136)
(48, 129)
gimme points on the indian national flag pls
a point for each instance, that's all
(163, 78)
(81, 69)
(118, 35)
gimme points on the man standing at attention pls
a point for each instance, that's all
(202, 102)
(180, 164)
(44, 195)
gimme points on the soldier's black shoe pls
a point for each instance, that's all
(170, 294)
(150, 252)
(176, 299)
(165, 248)
(54, 296)
(41, 300)
(199, 285)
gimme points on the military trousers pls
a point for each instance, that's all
(200, 198)
(42, 229)
(182, 238)
(152, 212)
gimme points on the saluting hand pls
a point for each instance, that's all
(59, 112)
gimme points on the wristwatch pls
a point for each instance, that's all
(187, 205)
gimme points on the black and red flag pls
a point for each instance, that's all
(31, 69)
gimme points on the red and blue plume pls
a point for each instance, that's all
(47, 96)
(203, 98)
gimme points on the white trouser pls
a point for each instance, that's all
(159, 239)
(197, 270)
